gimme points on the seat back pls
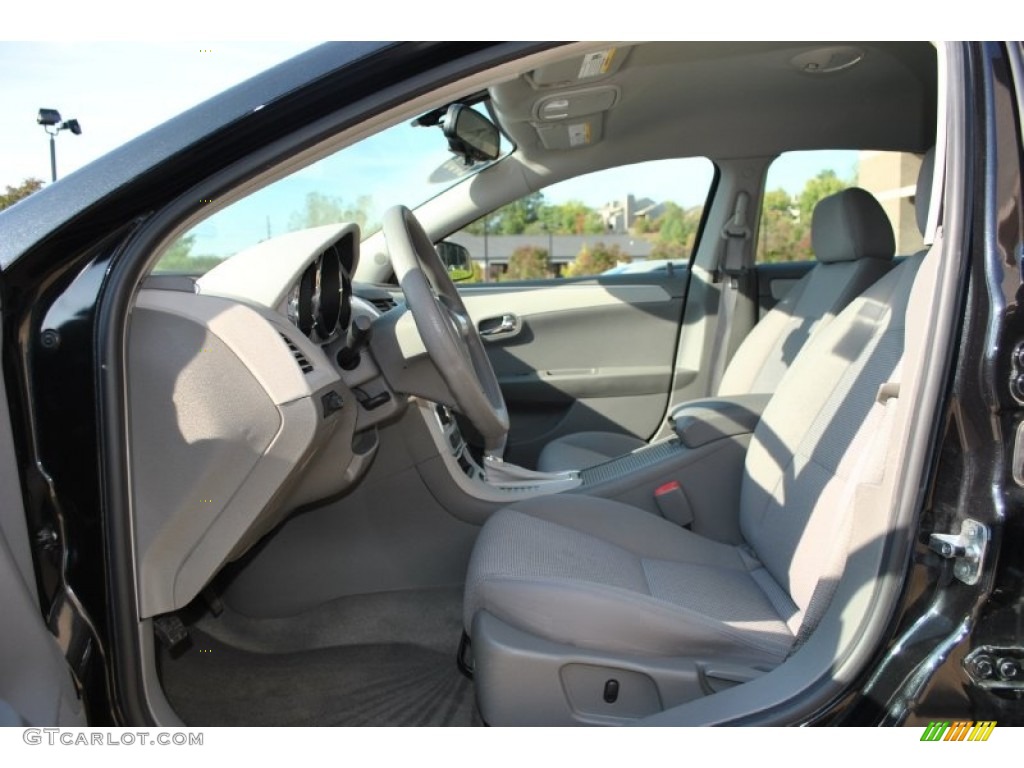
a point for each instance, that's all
(816, 438)
(853, 243)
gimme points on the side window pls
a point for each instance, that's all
(798, 180)
(641, 218)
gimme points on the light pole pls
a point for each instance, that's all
(52, 124)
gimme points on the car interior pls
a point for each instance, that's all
(364, 494)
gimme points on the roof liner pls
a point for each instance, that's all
(725, 100)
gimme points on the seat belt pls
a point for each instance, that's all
(731, 268)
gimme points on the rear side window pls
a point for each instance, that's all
(798, 180)
(635, 219)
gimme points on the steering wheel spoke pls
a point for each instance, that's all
(449, 334)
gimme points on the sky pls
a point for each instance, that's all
(116, 90)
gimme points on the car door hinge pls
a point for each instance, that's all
(999, 667)
(1017, 461)
(1016, 381)
(47, 539)
(967, 549)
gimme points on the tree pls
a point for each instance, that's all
(571, 218)
(514, 218)
(531, 215)
(677, 230)
(320, 209)
(477, 227)
(643, 225)
(511, 219)
(816, 189)
(20, 192)
(781, 231)
(528, 263)
(179, 258)
(594, 261)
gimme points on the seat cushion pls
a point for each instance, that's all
(607, 576)
(585, 449)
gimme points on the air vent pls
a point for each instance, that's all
(383, 303)
(304, 364)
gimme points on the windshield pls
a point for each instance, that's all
(404, 164)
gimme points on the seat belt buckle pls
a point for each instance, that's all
(673, 504)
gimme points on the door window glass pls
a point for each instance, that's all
(642, 218)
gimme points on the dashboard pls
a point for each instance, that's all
(239, 411)
(304, 276)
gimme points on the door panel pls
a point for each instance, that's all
(775, 280)
(596, 354)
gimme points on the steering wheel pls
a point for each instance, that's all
(449, 335)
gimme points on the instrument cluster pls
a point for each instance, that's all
(320, 304)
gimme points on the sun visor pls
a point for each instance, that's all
(573, 119)
(586, 68)
(568, 104)
(573, 133)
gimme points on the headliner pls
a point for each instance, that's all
(733, 100)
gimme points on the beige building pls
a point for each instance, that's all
(892, 178)
(619, 216)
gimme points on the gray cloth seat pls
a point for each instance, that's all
(614, 578)
(603, 576)
(853, 243)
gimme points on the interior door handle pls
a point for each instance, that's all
(497, 328)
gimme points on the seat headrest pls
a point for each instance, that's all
(851, 225)
(923, 195)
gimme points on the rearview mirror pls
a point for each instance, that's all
(471, 135)
(456, 259)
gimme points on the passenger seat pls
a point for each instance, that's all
(853, 242)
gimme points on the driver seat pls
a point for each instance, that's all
(581, 609)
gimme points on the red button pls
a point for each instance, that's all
(661, 490)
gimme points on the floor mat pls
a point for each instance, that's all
(373, 684)
(427, 617)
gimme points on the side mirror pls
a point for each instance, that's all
(456, 260)
(471, 135)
